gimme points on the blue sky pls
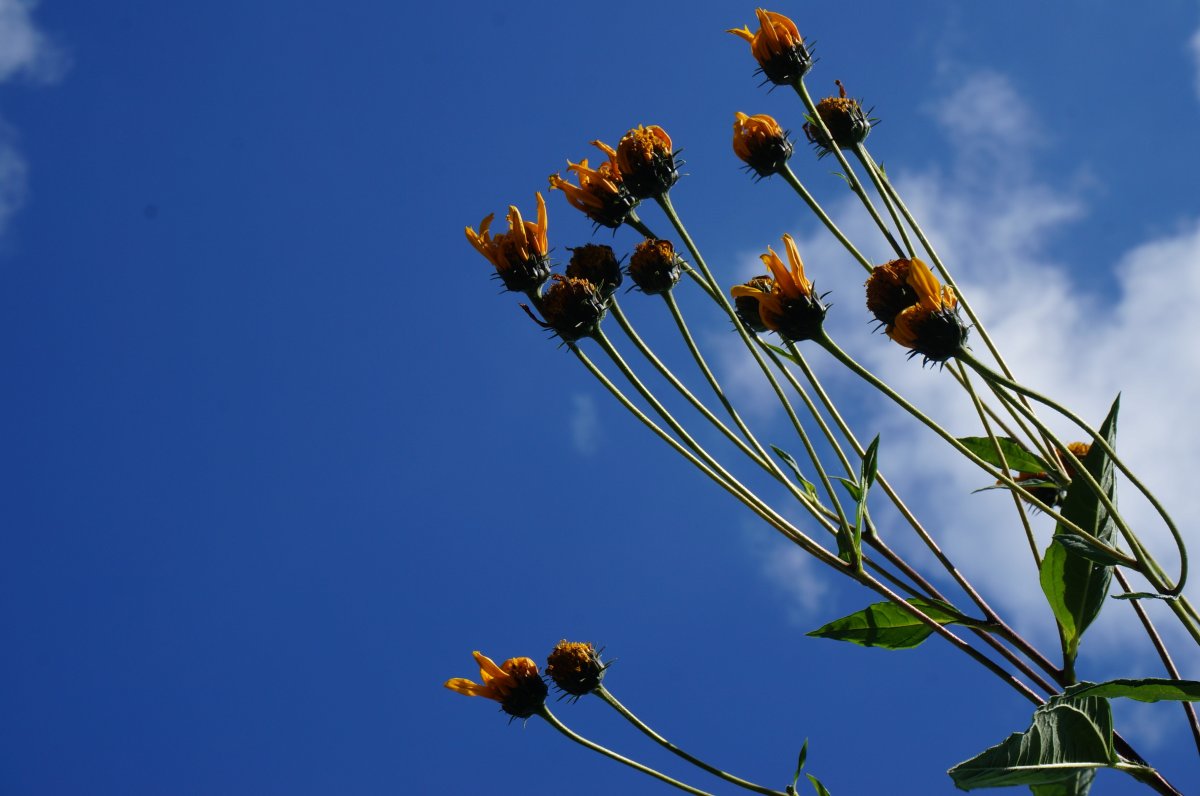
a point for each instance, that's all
(278, 456)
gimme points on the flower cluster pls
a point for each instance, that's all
(574, 666)
(915, 309)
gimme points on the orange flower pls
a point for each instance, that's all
(778, 47)
(521, 255)
(761, 143)
(601, 192)
(790, 307)
(647, 162)
(515, 684)
(918, 312)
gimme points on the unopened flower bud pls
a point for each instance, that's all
(575, 667)
(654, 266)
(761, 143)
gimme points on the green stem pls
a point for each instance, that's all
(612, 701)
(667, 374)
(1189, 709)
(553, 721)
(825, 342)
(851, 177)
(790, 177)
(875, 173)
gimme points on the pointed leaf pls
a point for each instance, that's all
(887, 625)
(809, 489)
(799, 765)
(1015, 456)
(1077, 785)
(1075, 586)
(1150, 689)
(1145, 595)
(1083, 549)
(1067, 737)
(821, 789)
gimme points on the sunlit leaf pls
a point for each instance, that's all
(1151, 689)
(1015, 456)
(1074, 585)
(887, 625)
(1066, 738)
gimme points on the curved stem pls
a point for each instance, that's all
(1135, 544)
(825, 342)
(553, 721)
(612, 701)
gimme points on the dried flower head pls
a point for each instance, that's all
(778, 48)
(521, 255)
(647, 162)
(575, 667)
(790, 307)
(847, 122)
(761, 143)
(916, 310)
(596, 263)
(746, 304)
(572, 307)
(654, 266)
(601, 192)
(515, 684)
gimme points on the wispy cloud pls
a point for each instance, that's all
(26, 54)
(992, 217)
(1194, 48)
(585, 424)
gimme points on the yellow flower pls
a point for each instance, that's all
(515, 684)
(647, 162)
(761, 143)
(917, 311)
(601, 192)
(778, 47)
(521, 255)
(789, 307)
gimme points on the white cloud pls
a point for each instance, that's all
(793, 572)
(1194, 47)
(585, 424)
(991, 217)
(25, 54)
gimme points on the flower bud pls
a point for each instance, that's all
(575, 668)
(573, 308)
(596, 263)
(761, 143)
(654, 266)
(847, 122)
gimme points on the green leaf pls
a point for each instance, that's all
(1066, 738)
(888, 625)
(1074, 585)
(1145, 595)
(1015, 456)
(1028, 483)
(1150, 689)
(809, 489)
(799, 766)
(1083, 549)
(1077, 785)
(851, 487)
(821, 789)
